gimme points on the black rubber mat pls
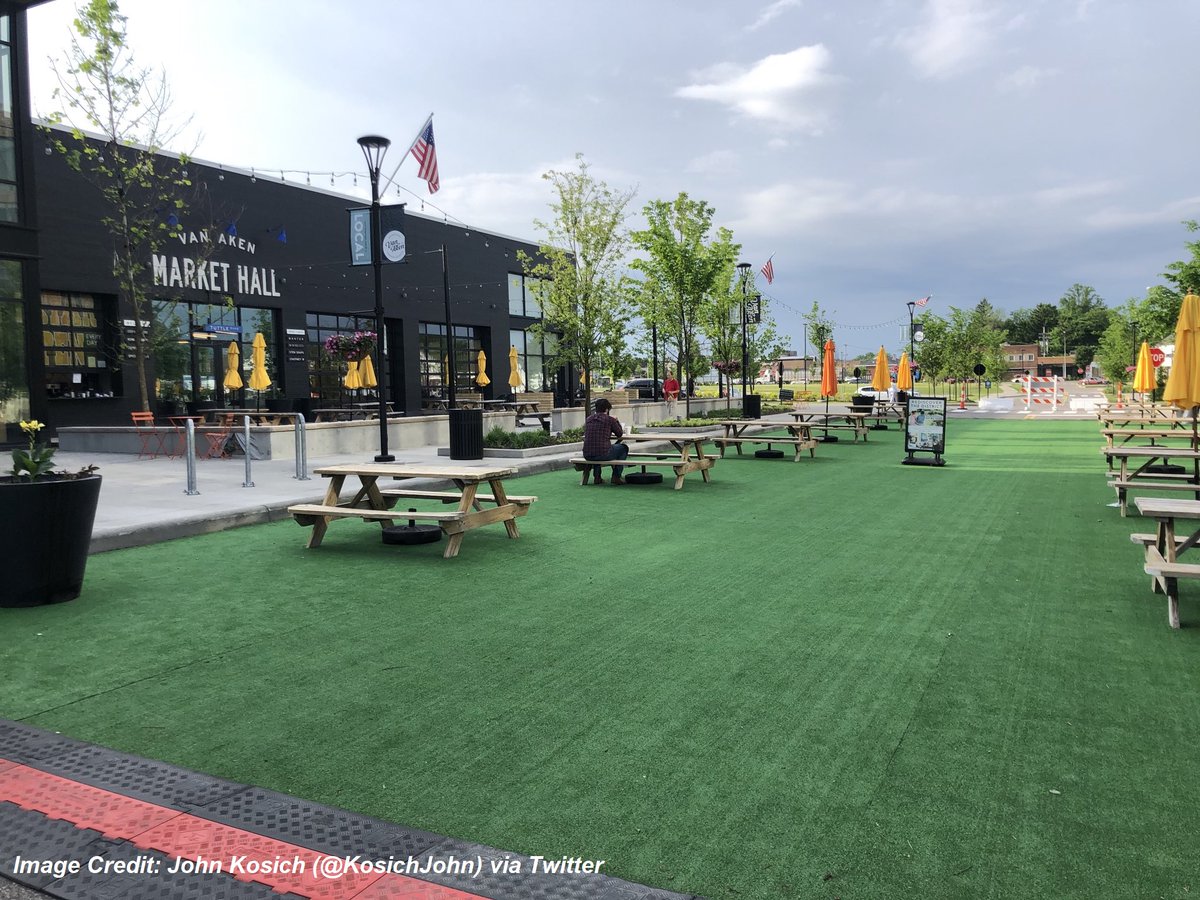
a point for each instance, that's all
(335, 832)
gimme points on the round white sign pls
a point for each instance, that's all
(393, 246)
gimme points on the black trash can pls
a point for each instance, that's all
(466, 433)
(751, 406)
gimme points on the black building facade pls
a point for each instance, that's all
(259, 255)
(19, 282)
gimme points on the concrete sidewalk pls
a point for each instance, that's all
(143, 501)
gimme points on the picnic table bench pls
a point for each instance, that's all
(849, 421)
(799, 436)
(1165, 546)
(689, 456)
(1144, 478)
(370, 503)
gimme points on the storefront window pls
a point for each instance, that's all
(189, 343)
(435, 362)
(14, 384)
(325, 371)
(524, 293)
(534, 354)
(78, 347)
(9, 208)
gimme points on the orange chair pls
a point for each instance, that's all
(153, 440)
(218, 438)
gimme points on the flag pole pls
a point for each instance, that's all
(420, 131)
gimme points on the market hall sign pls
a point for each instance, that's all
(211, 275)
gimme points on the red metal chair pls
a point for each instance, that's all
(153, 440)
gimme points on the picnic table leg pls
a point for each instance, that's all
(510, 524)
(455, 539)
(319, 526)
(680, 471)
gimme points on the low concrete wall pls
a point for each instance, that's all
(351, 438)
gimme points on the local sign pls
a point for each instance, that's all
(1157, 357)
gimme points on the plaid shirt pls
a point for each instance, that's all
(597, 431)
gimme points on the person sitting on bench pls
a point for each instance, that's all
(599, 428)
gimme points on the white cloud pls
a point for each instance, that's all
(717, 161)
(1168, 213)
(953, 36)
(772, 12)
(1072, 193)
(773, 89)
(1025, 78)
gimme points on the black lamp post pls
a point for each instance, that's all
(911, 306)
(374, 147)
(744, 268)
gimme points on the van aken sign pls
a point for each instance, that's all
(214, 275)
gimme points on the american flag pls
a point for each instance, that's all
(924, 300)
(426, 155)
(768, 271)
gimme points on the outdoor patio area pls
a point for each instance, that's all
(836, 677)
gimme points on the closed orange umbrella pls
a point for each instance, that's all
(880, 380)
(233, 379)
(1183, 383)
(904, 373)
(829, 384)
(1143, 378)
(366, 372)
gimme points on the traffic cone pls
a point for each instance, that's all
(962, 398)
(1118, 404)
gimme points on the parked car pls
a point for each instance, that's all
(1096, 380)
(645, 388)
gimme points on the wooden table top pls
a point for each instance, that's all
(1168, 507)
(1164, 452)
(686, 436)
(410, 470)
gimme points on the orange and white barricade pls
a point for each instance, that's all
(1044, 391)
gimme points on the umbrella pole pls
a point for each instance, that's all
(827, 438)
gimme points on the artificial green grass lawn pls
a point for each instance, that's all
(841, 677)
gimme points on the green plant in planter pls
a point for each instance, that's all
(37, 460)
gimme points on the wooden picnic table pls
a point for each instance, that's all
(852, 421)
(340, 414)
(799, 436)
(689, 455)
(374, 504)
(1166, 545)
(1135, 470)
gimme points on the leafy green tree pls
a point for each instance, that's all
(1026, 326)
(820, 329)
(1119, 343)
(682, 263)
(1185, 274)
(1082, 320)
(105, 91)
(583, 303)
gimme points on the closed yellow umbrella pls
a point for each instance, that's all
(366, 372)
(904, 373)
(514, 369)
(482, 378)
(1183, 382)
(1143, 378)
(352, 380)
(881, 380)
(583, 378)
(233, 379)
(259, 379)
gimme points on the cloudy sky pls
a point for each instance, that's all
(881, 151)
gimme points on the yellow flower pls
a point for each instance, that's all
(32, 427)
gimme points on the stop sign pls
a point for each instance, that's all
(1157, 357)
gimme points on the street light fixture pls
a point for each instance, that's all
(744, 269)
(374, 148)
